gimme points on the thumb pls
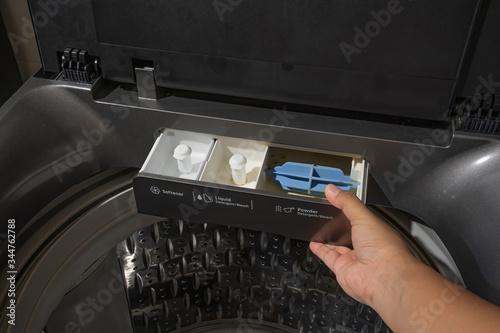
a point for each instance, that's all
(348, 203)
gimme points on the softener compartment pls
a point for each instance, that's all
(179, 154)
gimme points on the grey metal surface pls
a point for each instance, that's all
(442, 258)
(65, 240)
(64, 278)
(180, 276)
(449, 180)
(98, 304)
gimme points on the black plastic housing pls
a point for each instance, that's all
(10, 79)
(393, 57)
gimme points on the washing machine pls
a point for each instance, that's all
(121, 212)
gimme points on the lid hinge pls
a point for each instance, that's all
(479, 113)
(78, 66)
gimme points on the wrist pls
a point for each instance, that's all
(393, 281)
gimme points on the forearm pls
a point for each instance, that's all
(418, 299)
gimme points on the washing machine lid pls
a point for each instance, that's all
(393, 57)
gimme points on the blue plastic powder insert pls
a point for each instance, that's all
(310, 178)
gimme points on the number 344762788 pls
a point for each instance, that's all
(11, 238)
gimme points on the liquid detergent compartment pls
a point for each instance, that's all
(225, 165)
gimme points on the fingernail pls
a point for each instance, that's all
(332, 189)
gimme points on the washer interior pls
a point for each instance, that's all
(122, 271)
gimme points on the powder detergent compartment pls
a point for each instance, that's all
(310, 178)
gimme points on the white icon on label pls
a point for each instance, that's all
(288, 210)
(207, 198)
(279, 209)
(155, 190)
(199, 197)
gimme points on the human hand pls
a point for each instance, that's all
(380, 271)
(378, 251)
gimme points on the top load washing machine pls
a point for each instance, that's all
(163, 171)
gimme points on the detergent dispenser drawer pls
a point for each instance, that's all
(199, 178)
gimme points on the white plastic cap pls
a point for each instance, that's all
(182, 151)
(237, 161)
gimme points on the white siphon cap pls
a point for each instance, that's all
(182, 151)
(237, 161)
